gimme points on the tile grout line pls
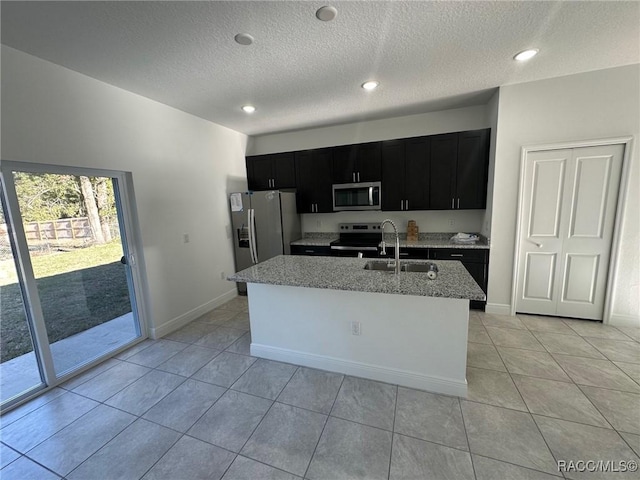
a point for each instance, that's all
(546, 443)
(393, 429)
(273, 402)
(597, 386)
(324, 426)
(466, 434)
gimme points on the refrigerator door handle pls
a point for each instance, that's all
(249, 233)
(250, 226)
(253, 235)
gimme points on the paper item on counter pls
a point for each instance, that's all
(236, 202)
(412, 231)
(465, 238)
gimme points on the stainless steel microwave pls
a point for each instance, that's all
(357, 196)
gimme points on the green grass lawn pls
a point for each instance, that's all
(78, 290)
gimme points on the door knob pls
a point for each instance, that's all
(123, 260)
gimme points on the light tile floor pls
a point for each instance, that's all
(196, 405)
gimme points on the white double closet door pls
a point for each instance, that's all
(568, 213)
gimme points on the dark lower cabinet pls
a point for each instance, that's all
(273, 171)
(310, 250)
(314, 181)
(476, 261)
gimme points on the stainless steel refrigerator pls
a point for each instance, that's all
(264, 224)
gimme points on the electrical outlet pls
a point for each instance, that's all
(452, 222)
(223, 276)
(185, 238)
(355, 328)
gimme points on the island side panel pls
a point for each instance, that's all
(414, 341)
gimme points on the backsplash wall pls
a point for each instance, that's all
(428, 221)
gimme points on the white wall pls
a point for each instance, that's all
(427, 221)
(594, 105)
(182, 168)
(470, 118)
(492, 118)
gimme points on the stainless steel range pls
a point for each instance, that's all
(357, 238)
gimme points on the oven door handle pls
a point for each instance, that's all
(354, 249)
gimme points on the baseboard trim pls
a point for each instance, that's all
(617, 320)
(358, 369)
(182, 320)
(498, 309)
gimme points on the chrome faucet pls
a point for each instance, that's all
(384, 245)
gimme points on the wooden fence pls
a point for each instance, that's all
(64, 229)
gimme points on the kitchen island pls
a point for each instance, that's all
(331, 313)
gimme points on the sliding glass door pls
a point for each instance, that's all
(19, 370)
(72, 243)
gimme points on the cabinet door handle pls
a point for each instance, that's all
(358, 176)
(406, 204)
(401, 204)
(354, 177)
(457, 255)
(452, 203)
(316, 208)
(458, 203)
(308, 251)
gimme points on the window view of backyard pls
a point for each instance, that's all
(73, 237)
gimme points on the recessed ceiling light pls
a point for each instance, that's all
(526, 55)
(248, 108)
(326, 14)
(243, 39)
(371, 85)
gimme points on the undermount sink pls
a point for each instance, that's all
(417, 267)
(404, 267)
(380, 266)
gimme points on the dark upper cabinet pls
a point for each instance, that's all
(472, 169)
(458, 171)
(444, 151)
(357, 163)
(314, 180)
(416, 161)
(344, 164)
(405, 174)
(271, 171)
(393, 175)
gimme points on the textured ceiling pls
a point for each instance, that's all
(301, 72)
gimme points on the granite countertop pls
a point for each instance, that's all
(425, 240)
(340, 273)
